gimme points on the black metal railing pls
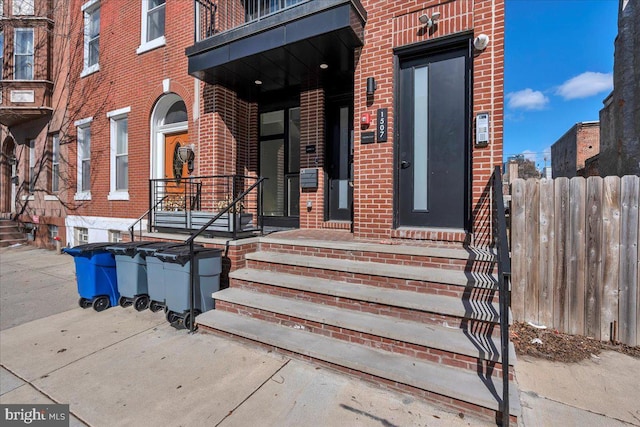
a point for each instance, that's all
(504, 279)
(231, 205)
(139, 221)
(217, 16)
(184, 205)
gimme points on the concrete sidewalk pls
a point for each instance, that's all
(121, 368)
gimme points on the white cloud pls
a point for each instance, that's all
(585, 85)
(527, 99)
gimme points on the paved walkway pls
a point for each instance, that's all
(121, 368)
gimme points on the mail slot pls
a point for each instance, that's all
(309, 178)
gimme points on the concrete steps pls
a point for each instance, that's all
(396, 369)
(10, 233)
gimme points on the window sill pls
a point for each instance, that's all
(30, 197)
(150, 45)
(82, 196)
(118, 195)
(51, 198)
(90, 70)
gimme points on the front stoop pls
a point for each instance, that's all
(422, 320)
(10, 233)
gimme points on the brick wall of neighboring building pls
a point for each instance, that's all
(568, 154)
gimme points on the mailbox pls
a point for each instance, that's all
(309, 178)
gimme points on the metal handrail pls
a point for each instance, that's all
(196, 233)
(504, 279)
(148, 211)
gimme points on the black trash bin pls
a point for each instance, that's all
(177, 274)
(131, 270)
(155, 273)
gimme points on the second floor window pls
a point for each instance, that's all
(1, 55)
(84, 159)
(91, 36)
(23, 7)
(32, 166)
(121, 134)
(55, 164)
(155, 19)
(23, 54)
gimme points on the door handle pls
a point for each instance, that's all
(405, 164)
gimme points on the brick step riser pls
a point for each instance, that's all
(446, 401)
(10, 235)
(383, 258)
(420, 286)
(474, 364)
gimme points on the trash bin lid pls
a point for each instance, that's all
(87, 249)
(181, 255)
(154, 247)
(128, 248)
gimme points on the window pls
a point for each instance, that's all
(55, 164)
(119, 154)
(1, 54)
(53, 233)
(81, 236)
(152, 26)
(23, 54)
(84, 159)
(115, 236)
(91, 11)
(23, 7)
(32, 166)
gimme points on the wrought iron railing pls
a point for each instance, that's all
(184, 205)
(217, 16)
(504, 279)
(139, 221)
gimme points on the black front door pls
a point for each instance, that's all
(339, 160)
(433, 133)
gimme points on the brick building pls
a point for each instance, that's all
(569, 153)
(363, 118)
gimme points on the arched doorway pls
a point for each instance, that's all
(8, 166)
(169, 124)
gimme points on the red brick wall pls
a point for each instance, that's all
(588, 142)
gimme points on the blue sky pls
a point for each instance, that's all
(558, 69)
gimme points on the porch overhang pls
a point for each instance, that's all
(282, 50)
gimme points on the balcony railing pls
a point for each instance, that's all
(218, 16)
(185, 205)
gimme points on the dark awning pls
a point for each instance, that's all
(282, 50)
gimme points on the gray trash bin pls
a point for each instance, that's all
(177, 274)
(155, 273)
(131, 270)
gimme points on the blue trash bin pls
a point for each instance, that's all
(95, 275)
(177, 276)
(131, 270)
(156, 287)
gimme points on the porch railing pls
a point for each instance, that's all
(504, 279)
(218, 16)
(184, 205)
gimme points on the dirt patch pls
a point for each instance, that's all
(552, 345)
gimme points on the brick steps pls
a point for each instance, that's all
(10, 233)
(439, 382)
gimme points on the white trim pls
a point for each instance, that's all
(150, 45)
(89, 4)
(158, 132)
(90, 70)
(29, 197)
(118, 195)
(51, 198)
(82, 196)
(87, 9)
(83, 122)
(98, 227)
(118, 112)
(166, 85)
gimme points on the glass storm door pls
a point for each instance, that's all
(432, 130)
(339, 161)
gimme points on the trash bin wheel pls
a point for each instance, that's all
(141, 302)
(124, 302)
(84, 303)
(101, 303)
(155, 306)
(187, 318)
(171, 316)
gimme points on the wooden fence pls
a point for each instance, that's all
(574, 249)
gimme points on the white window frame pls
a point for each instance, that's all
(1, 51)
(15, 50)
(83, 153)
(80, 235)
(55, 161)
(115, 236)
(32, 166)
(88, 9)
(151, 44)
(23, 7)
(54, 231)
(115, 116)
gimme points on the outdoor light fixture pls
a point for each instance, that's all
(258, 82)
(186, 156)
(481, 42)
(371, 86)
(324, 66)
(429, 22)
